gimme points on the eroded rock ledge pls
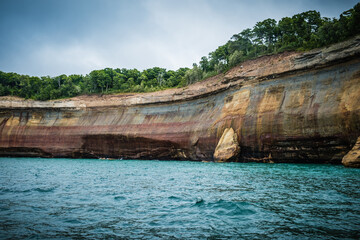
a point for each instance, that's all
(291, 107)
(352, 158)
(228, 147)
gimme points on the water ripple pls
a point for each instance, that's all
(83, 198)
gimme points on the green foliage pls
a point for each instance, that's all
(103, 81)
(266, 32)
(193, 75)
(235, 58)
(302, 31)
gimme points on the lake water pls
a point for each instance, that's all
(87, 198)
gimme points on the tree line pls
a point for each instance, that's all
(103, 81)
(301, 32)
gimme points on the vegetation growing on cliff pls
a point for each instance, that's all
(300, 32)
(107, 80)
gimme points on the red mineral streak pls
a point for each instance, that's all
(290, 107)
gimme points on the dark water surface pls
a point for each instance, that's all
(81, 198)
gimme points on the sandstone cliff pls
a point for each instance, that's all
(291, 107)
(352, 158)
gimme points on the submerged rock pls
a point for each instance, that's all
(352, 158)
(228, 146)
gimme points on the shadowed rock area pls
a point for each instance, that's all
(290, 107)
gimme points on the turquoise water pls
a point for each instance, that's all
(82, 198)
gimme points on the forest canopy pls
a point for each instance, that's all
(301, 32)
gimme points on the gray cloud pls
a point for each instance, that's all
(50, 37)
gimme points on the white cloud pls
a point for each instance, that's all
(186, 31)
(69, 59)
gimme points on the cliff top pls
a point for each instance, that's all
(249, 72)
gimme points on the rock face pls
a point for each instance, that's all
(352, 158)
(291, 107)
(228, 146)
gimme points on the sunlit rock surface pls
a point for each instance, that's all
(291, 107)
(228, 146)
(352, 158)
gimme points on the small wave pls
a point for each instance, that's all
(174, 198)
(7, 190)
(118, 198)
(229, 208)
(199, 201)
(44, 190)
(72, 221)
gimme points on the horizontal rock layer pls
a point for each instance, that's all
(291, 107)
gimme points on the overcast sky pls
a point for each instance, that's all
(53, 37)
